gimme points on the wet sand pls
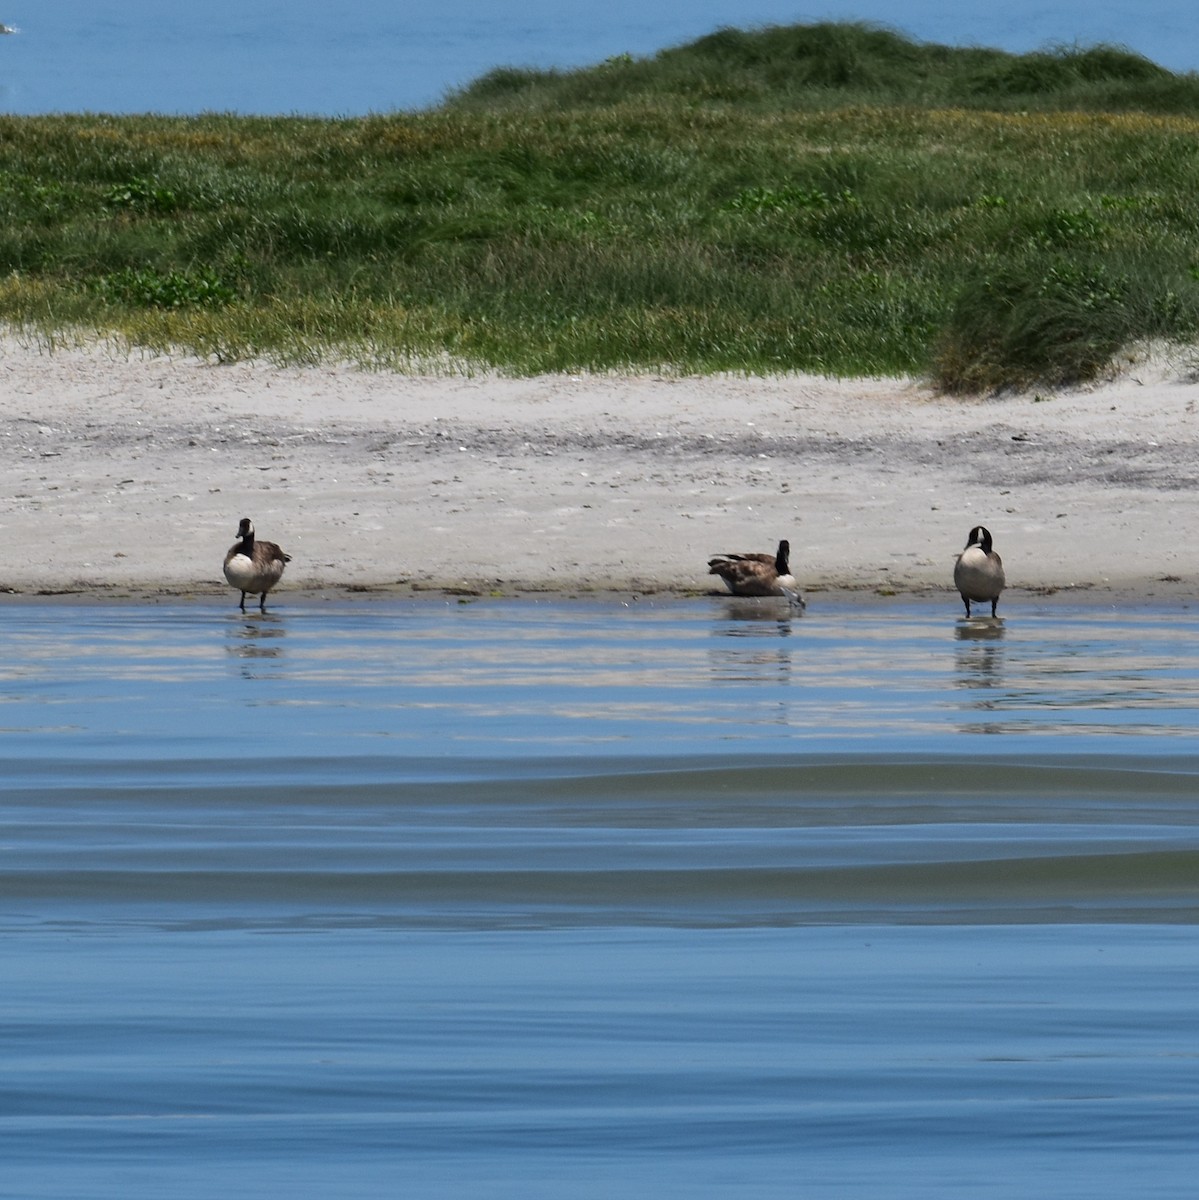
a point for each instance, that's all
(127, 475)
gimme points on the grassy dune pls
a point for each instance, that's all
(824, 198)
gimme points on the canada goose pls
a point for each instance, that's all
(758, 574)
(978, 571)
(253, 566)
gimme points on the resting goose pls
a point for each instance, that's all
(978, 571)
(758, 574)
(253, 566)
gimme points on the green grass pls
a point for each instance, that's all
(825, 198)
(833, 65)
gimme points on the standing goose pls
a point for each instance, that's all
(978, 571)
(758, 574)
(253, 566)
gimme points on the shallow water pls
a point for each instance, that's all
(581, 898)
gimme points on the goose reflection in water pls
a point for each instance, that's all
(979, 653)
(257, 639)
(748, 646)
(756, 618)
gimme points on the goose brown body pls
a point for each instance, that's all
(254, 566)
(978, 572)
(757, 574)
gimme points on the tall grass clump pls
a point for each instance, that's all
(829, 198)
(829, 65)
(1055, 324)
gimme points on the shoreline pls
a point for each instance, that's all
(1150, 596)
(127, 474)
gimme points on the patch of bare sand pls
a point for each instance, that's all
(130, 474)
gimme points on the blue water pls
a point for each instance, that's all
(663, 898)
(362, 56)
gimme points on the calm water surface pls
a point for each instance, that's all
(679, 898)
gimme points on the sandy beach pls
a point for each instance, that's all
(125, 475)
